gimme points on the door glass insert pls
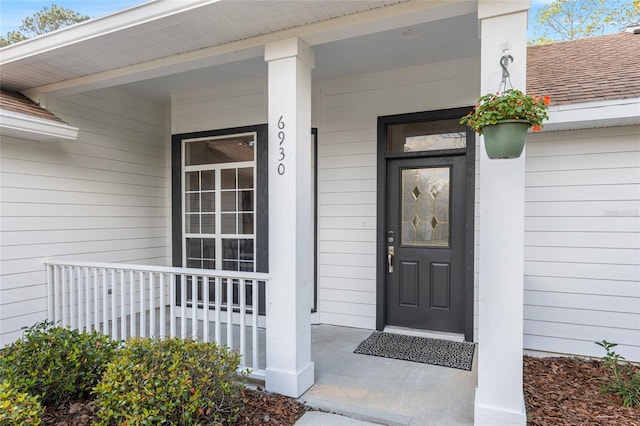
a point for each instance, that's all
(426, 136)
(425, 207)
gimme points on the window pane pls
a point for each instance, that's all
(228, 177)
(245, 178)
(193, 223)
(245, 201)
(246, 249)
(426, 136)
(194, 247)
(208, 224)
(245, 223)
(208, 201)
(228, 223)
(194, 263)
(220, 150)
(228, 201)
(208, 180)
(192, 181)
(425, 207)
(193, 202)
(209, 248)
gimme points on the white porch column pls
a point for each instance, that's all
(499, 395)
(289, 368)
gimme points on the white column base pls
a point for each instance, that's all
(485, 415)
(292, 384)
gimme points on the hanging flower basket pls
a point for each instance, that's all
(504, 117)
(505, 139)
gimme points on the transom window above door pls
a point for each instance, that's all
(219, 225)
(425, 136)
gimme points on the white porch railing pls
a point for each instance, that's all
(124, 301)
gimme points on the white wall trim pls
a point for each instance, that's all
(26, 126)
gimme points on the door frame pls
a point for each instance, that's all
(381, 223)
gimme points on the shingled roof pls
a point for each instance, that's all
(19, 103)
(586, 70)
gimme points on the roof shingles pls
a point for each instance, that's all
(586, 70)
(19, 103)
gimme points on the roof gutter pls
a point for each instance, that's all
(25, 126)
(590, 115)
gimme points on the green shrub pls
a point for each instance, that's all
(624, 382)
(55, 363)
(171, 381)
(18, 408)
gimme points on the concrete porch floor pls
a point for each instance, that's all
(385, 391)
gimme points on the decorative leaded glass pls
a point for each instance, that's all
(425, 207)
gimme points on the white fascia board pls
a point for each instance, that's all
(118, 21)
(591, 115)
(34, 128)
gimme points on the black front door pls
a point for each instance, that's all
(425, 243)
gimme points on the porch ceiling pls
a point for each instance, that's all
(443, 40)
(165, 38)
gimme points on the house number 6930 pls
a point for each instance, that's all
(281, 137)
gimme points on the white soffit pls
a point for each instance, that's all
(159, 38)
(590, 115)
(25, 126)
(158, 30)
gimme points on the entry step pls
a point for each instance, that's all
(455, 337)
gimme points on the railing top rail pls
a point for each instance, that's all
(258, 276)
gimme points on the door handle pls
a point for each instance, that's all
(390, 253)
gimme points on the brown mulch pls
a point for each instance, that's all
(558, 391)
(261, 408)
(567, 391)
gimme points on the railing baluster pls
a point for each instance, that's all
(105, 298)
(50, 294)
(87, 310)
(123, 306)
(162, 306)
(205, 309)
(57, 291)
(172, 305)
(96, 300)
(152, 306)
(80, 298)
(114, 312)
(143, 309)
(132, 304)
(64, 296)
(72, 298)
(254, 323)
(183, 306)
(218, 306)
(194, 306)
(230, 313)
(243, 307)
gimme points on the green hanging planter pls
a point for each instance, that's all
(505, 139)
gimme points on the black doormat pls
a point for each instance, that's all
(419, 349)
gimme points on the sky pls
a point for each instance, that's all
(12, 12)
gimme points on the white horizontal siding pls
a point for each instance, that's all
(582, 241)
(104, 197)
(347, 135)
(219, 107)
